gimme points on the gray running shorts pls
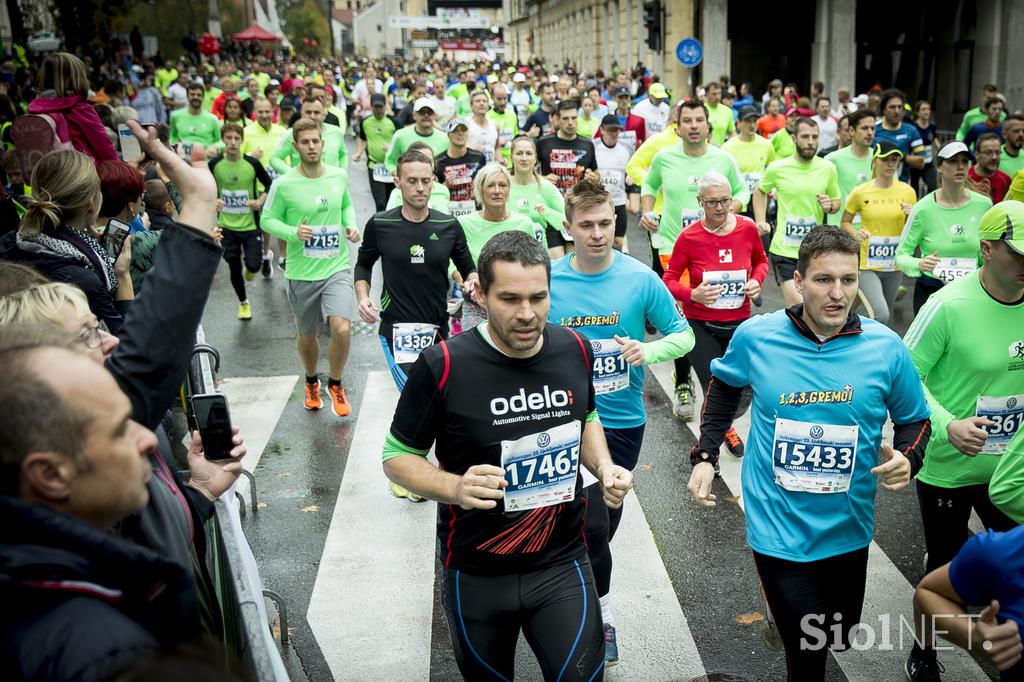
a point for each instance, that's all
(312, 302)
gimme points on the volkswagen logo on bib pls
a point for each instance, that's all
(817, 432)
(1011, 402)
(543, 440)
(595, 346)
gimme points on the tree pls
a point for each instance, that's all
(307, 21)
(87, 24)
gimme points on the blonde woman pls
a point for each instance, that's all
(63, 87)
(490, 190)
(60, 305)
(57, 236)
(536, 197)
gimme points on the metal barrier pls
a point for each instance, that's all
(247, 633)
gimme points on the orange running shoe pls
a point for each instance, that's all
(313, 400)
(733, 443)
(339, 403)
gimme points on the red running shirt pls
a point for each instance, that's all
(697, 251)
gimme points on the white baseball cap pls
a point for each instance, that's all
(519, 78)
(423, 103)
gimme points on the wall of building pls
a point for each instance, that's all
(371, 34)
(957, 45)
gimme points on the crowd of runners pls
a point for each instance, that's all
(516, 317)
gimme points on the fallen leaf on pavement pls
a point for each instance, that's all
(748, 618)
(310, 509)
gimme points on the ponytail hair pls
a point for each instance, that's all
(64, 185)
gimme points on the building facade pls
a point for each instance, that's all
(943, 50)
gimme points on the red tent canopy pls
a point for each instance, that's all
(257, 32)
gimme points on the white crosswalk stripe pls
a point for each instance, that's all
(372, 602)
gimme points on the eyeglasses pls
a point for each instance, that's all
(716, 203)
(91, 337)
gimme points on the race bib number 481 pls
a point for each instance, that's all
(813, 458)
(541, 468)
(611, 371)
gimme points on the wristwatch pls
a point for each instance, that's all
(699, 455)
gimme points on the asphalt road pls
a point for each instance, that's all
(357, 569)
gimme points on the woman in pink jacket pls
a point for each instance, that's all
(63, 87)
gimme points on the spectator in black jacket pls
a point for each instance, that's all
(57, 236)
(150, 358)
(79, 603)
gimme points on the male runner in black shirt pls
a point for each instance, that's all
(565, 156)
(415, 244)
(456, 168)
(510, 405)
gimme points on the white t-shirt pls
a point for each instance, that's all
(177, 92)
(359, 89)
(520, 101)
(655, 117)
(611, 164)
(482, 138)
(828, 132)
(444, 107)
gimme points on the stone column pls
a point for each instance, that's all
(834, 50)
(715, 39)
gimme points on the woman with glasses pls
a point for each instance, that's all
(727, 265)
(883, 204)
(61, 305)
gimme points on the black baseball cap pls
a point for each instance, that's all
(621, 91)
(611, 121)
(748, 112)
(885, 148)
(377, 100)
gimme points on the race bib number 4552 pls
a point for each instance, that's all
(813, 458)
(541, 468)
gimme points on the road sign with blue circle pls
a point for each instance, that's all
(689, 52)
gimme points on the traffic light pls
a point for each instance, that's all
(652, 22)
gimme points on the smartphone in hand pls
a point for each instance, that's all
(214, 424)
(130, 149)
(114, 236)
